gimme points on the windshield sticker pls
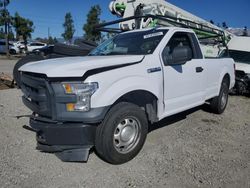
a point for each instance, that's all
(153, 35)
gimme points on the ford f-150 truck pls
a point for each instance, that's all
(107, 99)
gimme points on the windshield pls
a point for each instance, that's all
(135, 43)
(238, 56)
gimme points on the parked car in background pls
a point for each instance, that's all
(44, 51)
(35, 45)
(13, 49)
(20, 45)
(16, 47)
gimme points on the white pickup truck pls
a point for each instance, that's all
(107, 99)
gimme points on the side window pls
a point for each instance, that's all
(39, 44)
(179, 41)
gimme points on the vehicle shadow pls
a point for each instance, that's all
(177, 117)
(241, 95)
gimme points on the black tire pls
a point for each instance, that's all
(70, 50)
(21, 62)
(218, 104)
(12, 51)
(124, 116)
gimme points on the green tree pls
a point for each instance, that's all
(5, 20)
(52, 40)
(1, 17)
(23, 27)
(2, 33)
(69, 29)
(4, 3)
(55, 40)
(93, 18)
(11, 35)
(224, 25)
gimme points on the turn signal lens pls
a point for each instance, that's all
(70, 107)
(68, 88)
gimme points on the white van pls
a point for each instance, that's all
(13, 49)
(239, 50)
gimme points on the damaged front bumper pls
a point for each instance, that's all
(71, 142)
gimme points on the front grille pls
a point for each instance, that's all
(36, 94)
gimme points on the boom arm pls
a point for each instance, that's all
(175, 17)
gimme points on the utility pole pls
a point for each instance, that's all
(48, 32)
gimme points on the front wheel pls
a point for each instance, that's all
(122, 134)
(218, 104)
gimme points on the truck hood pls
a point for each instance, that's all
(243, 67)
(77, 66)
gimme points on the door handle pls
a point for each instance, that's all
(199, 69)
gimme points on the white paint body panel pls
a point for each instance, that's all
(35, 45)
(176, 88)
(76, 66)
(240, 43)
(243, 67)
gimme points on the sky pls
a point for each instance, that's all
(49, 14)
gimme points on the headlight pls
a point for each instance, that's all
(83, 92)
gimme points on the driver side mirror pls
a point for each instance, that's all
(180, 55)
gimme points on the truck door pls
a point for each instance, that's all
(183, 74)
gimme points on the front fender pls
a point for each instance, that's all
(109, 95)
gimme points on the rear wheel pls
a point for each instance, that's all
(122, 134)
(218, 104)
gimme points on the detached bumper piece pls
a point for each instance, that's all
(70, 142)
(67, 153)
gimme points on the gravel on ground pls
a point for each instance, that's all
(191, 149)
(7, 65)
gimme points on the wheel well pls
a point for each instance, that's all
(227, 78)
(12, 50)
(144, 99)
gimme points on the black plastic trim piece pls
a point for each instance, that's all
(63, 133)
(155, 69)
(75, 153)
(95, 115)
(196, 47)
(49, 99)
